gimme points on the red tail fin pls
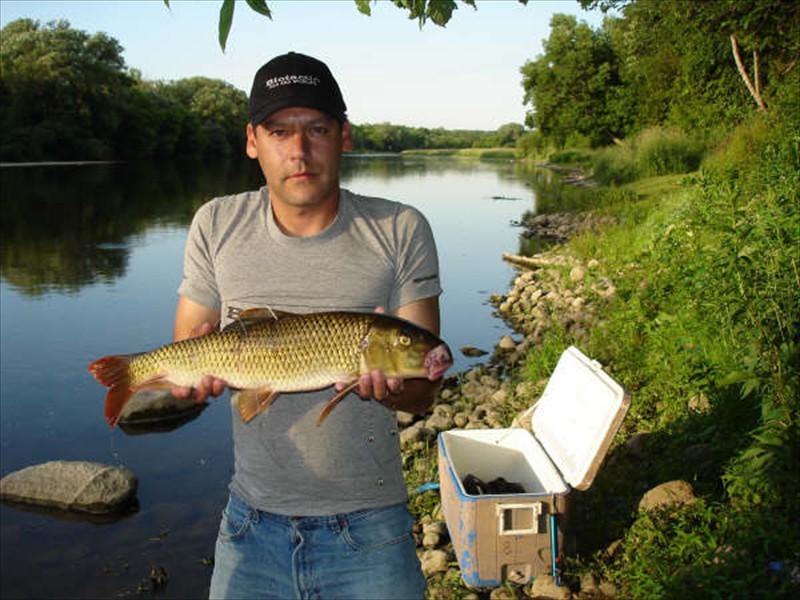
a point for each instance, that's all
(112, 372)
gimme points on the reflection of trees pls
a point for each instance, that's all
(65, 227)
(387, 166)
(551, 193)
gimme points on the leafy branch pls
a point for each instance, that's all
(438, 11)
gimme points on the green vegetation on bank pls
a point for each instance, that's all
(706, 313)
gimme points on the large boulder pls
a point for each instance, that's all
(81, 486)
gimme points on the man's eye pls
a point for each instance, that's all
(319, 130)
(278, 132)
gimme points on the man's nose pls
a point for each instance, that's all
(298, 144)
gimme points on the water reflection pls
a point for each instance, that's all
(66, 227)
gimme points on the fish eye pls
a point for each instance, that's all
(404, 339)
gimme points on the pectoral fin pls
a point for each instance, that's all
(335, 400)
(254, 402)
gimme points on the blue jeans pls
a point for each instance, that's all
(363, 554)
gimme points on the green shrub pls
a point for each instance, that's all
(706, 305)
(661, 152)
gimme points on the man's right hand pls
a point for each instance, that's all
(209, 385)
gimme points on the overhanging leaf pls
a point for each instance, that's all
(440, 11)
(260, 6)
(225, 21)
(363, 7)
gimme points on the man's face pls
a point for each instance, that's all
(299, 150)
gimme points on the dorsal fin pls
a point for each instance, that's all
(250, 316)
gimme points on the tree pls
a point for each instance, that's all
(60, 90)
(768, 29)
(215, 106)
(572, 85)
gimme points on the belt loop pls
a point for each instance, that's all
(339, 523)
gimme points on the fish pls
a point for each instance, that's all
(264, 354)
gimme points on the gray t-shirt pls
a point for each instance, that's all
(376, 253)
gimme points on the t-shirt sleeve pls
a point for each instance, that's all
(199, 283)
(417, 273)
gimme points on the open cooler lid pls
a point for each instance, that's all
(578, 415)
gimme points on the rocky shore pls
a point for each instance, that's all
(551, 290)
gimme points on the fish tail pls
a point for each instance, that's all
(113, 372)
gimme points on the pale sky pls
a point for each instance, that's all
(463, 76)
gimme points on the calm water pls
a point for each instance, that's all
(91, 257)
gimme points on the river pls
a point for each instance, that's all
(90, 260)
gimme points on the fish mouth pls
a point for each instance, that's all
(437, 361)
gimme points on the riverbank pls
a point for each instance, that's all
(686, 292)
(493, 395)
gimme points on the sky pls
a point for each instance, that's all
(463, 76)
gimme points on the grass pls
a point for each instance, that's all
(707, 269)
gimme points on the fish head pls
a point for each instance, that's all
(401, 349)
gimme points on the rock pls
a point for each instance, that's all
(158, 411)
(460, 419)
(472, 351)
(503, 593)
(544, 587)
(670, 493)
(404, 419)
(577, 274)
(434, 534)
(700, 404)
(439, 421)
(612, 549)
(431, 540)
(589, 583)
(434, 561)
(608, 589)
(72, 485)
(471, 389)
(436, 526)
(411, 434)
(499, 397)
(506, 343)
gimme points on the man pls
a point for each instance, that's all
(313, 511)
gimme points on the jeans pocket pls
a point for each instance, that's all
(379, 528)
(236, 521)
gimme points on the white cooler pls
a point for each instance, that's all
(516, 536)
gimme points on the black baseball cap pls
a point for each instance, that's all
(295, 79)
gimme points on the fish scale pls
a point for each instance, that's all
(266, 355)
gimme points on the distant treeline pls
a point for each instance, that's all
(66, 94)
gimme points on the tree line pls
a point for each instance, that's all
(66, 94)
(698, 66)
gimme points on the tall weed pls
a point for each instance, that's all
(653, 152)
(707, 306)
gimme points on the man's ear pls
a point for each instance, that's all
(250, 145)
(347, 137)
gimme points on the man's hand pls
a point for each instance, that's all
(411, 395)
(208, 386)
